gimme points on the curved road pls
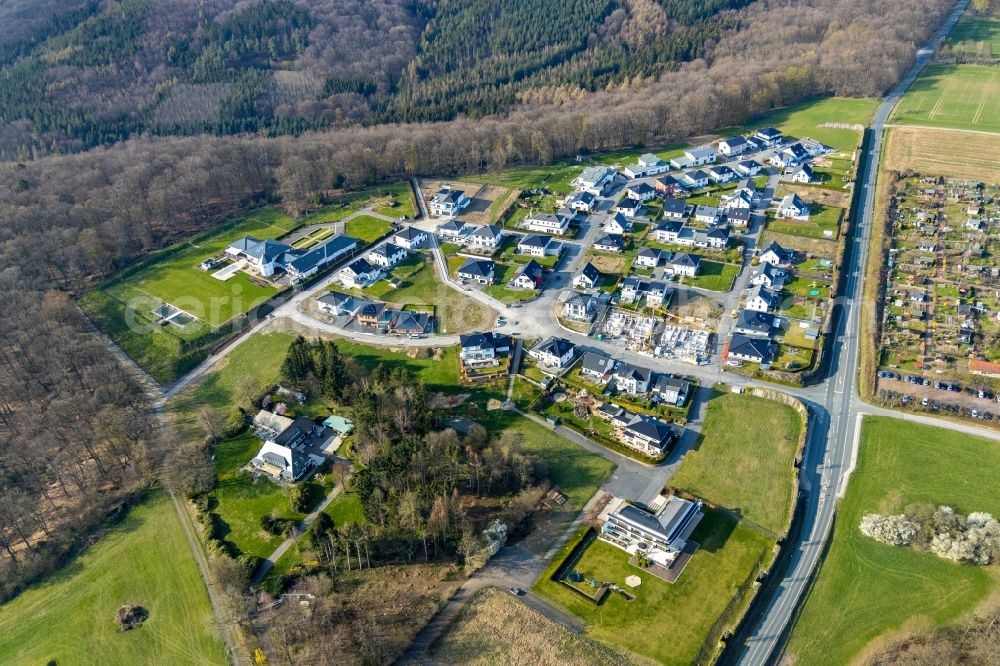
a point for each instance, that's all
(844, 406)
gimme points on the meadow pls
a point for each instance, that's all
(977, 29)
(745, 458)
(69, 618)
(667, 623)
(965, 97)
(887, 588)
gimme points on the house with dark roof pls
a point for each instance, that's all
(668, 185)
(410, 238)
(770, 276)
(629, 207)
(477, 270)
(768, 135)
(580, 307)
(755, 324)
(675, 209)
(695, 179)
(660, 537)
(410, 322)
(721, 174)
(610, 243)
(792, 207)
(749, 167)
(668, 231)
(739, 217)
(553, 352)
(448, 202)
(650, 257)
(775, 254)
(485, 238)
(684, 264)
(308, 262)
(387, 255)
(588, 277)
(671, 390)
(756, 350)
(617, 224)
(580, 201)
(483, 349)
(264, 256)
(641, 192)
(336, 304)
(596, 368)
(762, 299)
(283, 456)
(537, 245)
(528, 276)
(646, 434)
(452, 229)
(734, 145)
(801, 174)
(632, 379)
(359, 274)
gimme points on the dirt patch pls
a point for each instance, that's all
(817, 247)
(442, 401)
(838, 199)
(485, 198)
(944, 153)
(608, 264)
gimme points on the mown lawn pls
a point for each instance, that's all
(69, 618)
(884, 587)
(745, 458)
(668, 622)
(714, 275)
(367, 228)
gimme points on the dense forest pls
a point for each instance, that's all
(97, 73)
(76, 435)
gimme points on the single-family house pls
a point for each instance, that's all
(336, 304)
(646, 434)
(580, 307)
(280, 462)
(700, 155)
(641, 192)
(628, 206)
(264, 256)
(813, 147)
(769, 275)
(485, 238)
(754, 144)
(695, 179)
(372, 315)
(595, 180)
(745, 348)
(668, 231)
(668, 185)
(683, 264)
(659, 537)
(749, 168)
(734, 145)
(618, 224)
(410, 322)
(632, 289)
(553, 352)
(610, 243)
(672, 390)
(548, 223)
(739, 217)
(632, 379)
(755, 324)
(359, 274)
(410, 238)
(675, 209)
(707, 214)
(587, 278)
(581, 201)
(483, 349)
(448, 202)
(741, 198)
(768, 135)
(762, 299)
(528, 276)
(658, 294)
(793, 207)
(721, 174)
(596, 368)
(649, 257)
(776, 255)
(801, 174)
(452, 229)
(713, 238)
(536, 245)
(477, 270)
(387, 255)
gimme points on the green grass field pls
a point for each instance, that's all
(956, 96)
(367, 228)
(745, 459)
(69, 618)
(668, 622)
(714, 275)
(884, 586)
(806, 119)
(977, 29)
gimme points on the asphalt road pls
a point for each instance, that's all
(839, 418)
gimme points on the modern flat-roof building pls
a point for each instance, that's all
(659, 537)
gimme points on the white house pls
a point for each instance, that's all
(387, 255)
(596, 368)
(672, 390)
(477, 270)
(336, 303)
(683, 264)
(769, 276)
(448, 202)
(775, 254)
(648, 164)
(762, 299)
(649, 257)
(618, 224)
(793, 207)
(610, 243)
(749, 168)
(587, 278)
(734, 145)
(553, 352)
(281, 462)
(721, 174)
(264, 256)
(583, 201)
(483, 349)
(528, 276)
(675, 209)
(548, 223)
(745, 348)
(707, 214)
(802, 174)
(738, 217)
(359, 274)
(661, 537)
(741, 198)
(410, 237)
(628, 206)
(695, 179)
(701, 155)
(768, 135)
(755, 324)
(641, 192)
(485, 238)
(646, 434)
(580, 307)
(536, 245)
(452, 229)
(668, 231)
(595, 180)
(632, 379)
